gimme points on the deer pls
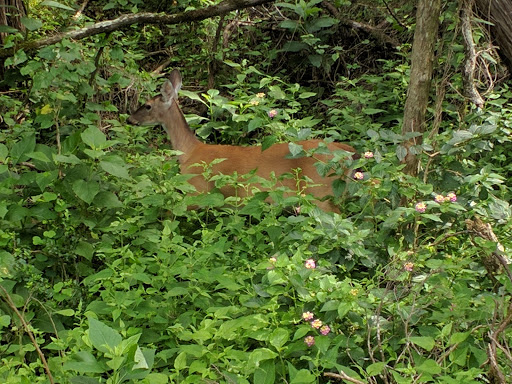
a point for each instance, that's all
(273, 162)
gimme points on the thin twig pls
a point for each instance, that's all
(11, 304)
(81, 10)
(343, 376)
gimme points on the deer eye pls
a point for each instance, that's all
(148, 107)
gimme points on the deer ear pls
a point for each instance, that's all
(175, 79)
(168, 92)
(171, 87)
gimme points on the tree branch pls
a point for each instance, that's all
(139, 18)
(343, 376)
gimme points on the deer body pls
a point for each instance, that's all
(164, 109)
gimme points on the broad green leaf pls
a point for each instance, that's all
(94, 138)
(31, 24)
(55, 4)
(84, 362)
(116, 166)
(375, 368)
(289, 24)
(303, 376)
(266, 373)
(22, 148)
(192, 95)
(102, 337)
(268, 142)
(85, 249)
(429, 366)
(7, 29)
(425, 342)
(107, 199)
(458, 337)
(259, 355)
(181, 361)
(296, 150)
(331, 305)
(279, 337)
(5, 320)
(86, 190)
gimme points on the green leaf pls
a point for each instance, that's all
(86, 190)
(279, 337)
(458, 337)
(181, 361)
(303, 376)
(65, 312)
(107, 199)
(94, 138)
(31, 24)
(372, 111)
(116, 166)
(54, 4)
(5, 320)
(4, 152)
(66, 159)
(429, 366)
(85, 249)
(296, 150)
(266, 373)
(425, 342)
(259, 355)
(375, 368)
(84, 362)
(7, 29)
(268, 142)
(192, 95)
(102, 337)
(21, 148)
(331, 305)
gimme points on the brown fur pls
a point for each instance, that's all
(164, 109)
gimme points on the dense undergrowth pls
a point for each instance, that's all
(104, 269)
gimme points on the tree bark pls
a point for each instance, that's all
(139, 18)
(499, 13)
(422, 63)
(11, 12)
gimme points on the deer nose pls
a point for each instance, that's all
(132, 121)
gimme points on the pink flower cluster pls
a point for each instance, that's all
(324, 329)
(450, 197)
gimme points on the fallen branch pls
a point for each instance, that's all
(138, 18)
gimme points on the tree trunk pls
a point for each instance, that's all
(499, 13)
(422, 59)
(11, 12)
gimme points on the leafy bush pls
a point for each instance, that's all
(106, 274)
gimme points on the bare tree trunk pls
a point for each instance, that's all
(499, 13)
(11, 12)
(422, 59)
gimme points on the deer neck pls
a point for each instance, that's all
(178, 130)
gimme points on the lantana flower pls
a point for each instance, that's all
(420, 207)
